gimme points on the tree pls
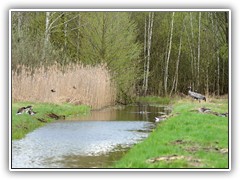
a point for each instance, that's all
(168, 57)
(156, 53)
(148, 57)
(175, 81)
(110, 38)
(199, 51)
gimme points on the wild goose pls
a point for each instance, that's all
(195, 95)
(31, 112)
(204, 110)
(27, 110)
(21, 110)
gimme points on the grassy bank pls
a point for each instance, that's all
(23, 124)
(188, 139)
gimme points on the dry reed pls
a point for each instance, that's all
(76, 85)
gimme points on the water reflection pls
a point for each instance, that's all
(128, 113)
(85, 144)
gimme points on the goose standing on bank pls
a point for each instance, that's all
(195, 95)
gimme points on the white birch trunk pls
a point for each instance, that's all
(46, 34)
(192, 55)
(175, 81)
(168, 56)
(19, 25)
(178, 61)
(215, 31)
(144, 54)
(218, 60)
(194, 69)
(65, 36)
(150, 27)
(218, 72)
(199, 50)
(78, 36)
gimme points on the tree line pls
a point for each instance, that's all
(147, 53)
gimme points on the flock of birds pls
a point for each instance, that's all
(194, 95)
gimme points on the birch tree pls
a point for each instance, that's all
(192, 42)
(46, 34)
(110, 39)
(168, 56)
(149, 42)
(199, 50)
(144, 55)
(53, 22)
(175, 80)
(19, 25)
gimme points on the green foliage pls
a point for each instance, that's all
(154, 100)
(117, 39)
(110, 38)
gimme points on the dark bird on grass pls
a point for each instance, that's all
(55, 116)
(74, 87)
(224, 114)
(220, 114)
(195, 95)
(41, 120)
(53, 91)
(204, 110)
(21, 110)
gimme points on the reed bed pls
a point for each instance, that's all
(76, 85)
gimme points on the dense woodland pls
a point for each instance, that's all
(146, 53)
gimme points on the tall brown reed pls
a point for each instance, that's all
(77, 85)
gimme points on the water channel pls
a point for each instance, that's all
(93, 141)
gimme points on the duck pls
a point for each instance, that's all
(160, 118)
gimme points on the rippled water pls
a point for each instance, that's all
(82, 144)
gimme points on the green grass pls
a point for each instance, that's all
(23, 124)
(202, 138)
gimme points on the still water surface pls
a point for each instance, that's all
(93, 141)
